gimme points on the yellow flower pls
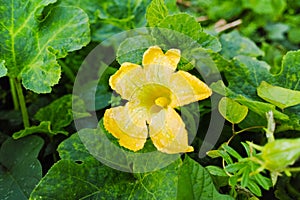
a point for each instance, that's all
(153, 91)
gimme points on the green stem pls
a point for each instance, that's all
(249, 128)
(293, 169)
(14, 94)
(55, 159)
(67, 71)
(22, 103)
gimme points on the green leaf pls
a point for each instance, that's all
(262, 108)
(20, 169)
(248, 150)
(290, 71)
(208, 41)
(254, 72)
(34, 39)
(132, 49)
(111, 17)
(196, 183)
(223, 9)
(266, 183)
(293, 34)
(105, 147)
(285, 150)
(83, 180)
(268, 7)
(220, 153)
(215, 170)
(156, 12)
(254, 188)
(91, 7)
(234, 167)
(161, 184)
(232, 152)
(60, 112)
(73, 149)
(232, 110)
(88, 178)
(233, 44)
(96, 95)
(180, 26)
(43, 127)
(3, 70)
(279, 96)
(245, 176)
(277, 31)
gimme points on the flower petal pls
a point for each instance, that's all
(128, 124)
(155, 56)
(127, 79)
(168, 133)
(187, 89)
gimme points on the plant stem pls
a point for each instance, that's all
(67, 71)
(22, 103)
(249, 128)
(293, 169)
(14, 94)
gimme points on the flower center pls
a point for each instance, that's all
(162, 101)
(153, 95)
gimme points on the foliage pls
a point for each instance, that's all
(246, 51)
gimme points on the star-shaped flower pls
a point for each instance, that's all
(153, 91)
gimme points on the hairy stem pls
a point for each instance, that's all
(22, 103)
(14, 94)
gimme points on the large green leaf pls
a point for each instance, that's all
(33, 37)
(195, 183)
(184, 32)
(109, 17)
(156, 12)
(278, 96)
(133, 48)
(3, 70)
(289, 75)
(186, 26)
(20, 169)
(233, 44)
(80, 175)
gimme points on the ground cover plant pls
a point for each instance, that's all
(158, 99)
